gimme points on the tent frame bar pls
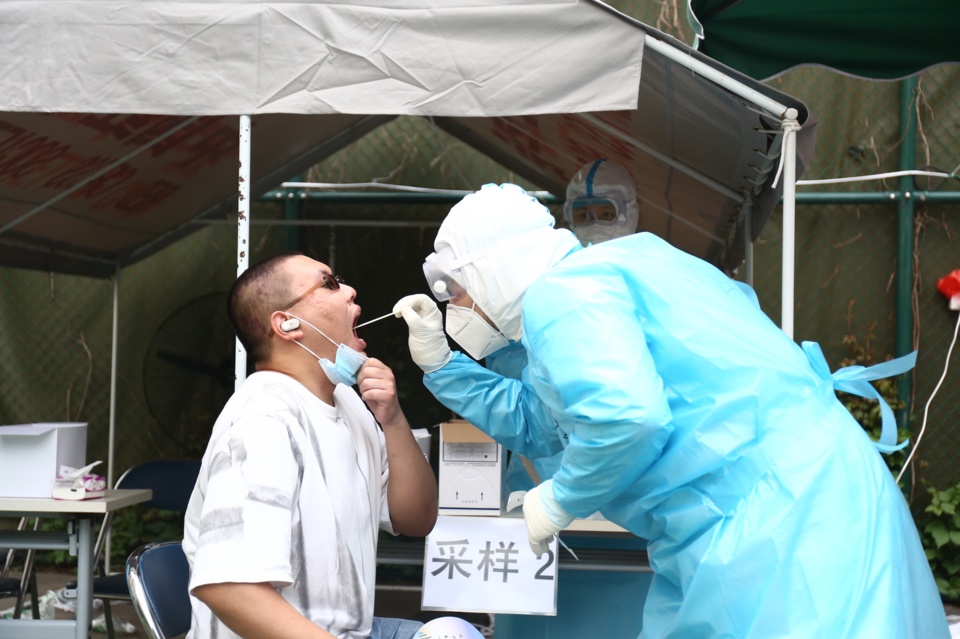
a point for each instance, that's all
(722, 79)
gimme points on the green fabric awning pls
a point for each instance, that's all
(880, 39)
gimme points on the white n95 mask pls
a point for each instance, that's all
(472, 332)
(598, 233)
(347, 361)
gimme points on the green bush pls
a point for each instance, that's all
(940, 533)
(134, 527)
(131, 528)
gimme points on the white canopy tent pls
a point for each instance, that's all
(119, 121)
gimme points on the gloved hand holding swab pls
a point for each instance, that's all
(427, 341)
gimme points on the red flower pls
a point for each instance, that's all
(949, 285)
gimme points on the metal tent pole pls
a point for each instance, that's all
(113, 374)
(789, 154)
(243, 234)
(113, 401)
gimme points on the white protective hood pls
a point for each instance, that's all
(503, 240)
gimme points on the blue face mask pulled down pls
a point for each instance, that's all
(343, 370)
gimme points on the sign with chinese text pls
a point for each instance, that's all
(484, 564)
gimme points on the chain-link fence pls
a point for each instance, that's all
(847, 253)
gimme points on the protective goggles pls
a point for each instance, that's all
(588, 209)
(440, 273)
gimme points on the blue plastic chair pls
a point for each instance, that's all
(158, 576)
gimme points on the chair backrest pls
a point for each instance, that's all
(158, 576)
(171, 481)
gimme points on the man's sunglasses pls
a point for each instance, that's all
(328, 281)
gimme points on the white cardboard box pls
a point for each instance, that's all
(31, 456)
(471, 470)
(423, 437)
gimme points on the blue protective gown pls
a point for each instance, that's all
(510, 362)
(693, 421)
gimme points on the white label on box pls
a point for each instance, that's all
(484, 564)
(473, 452)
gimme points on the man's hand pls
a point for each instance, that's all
(412, 488)
(378, 388)
(428, 342)
(544, 517)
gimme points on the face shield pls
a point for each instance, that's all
(443, 275)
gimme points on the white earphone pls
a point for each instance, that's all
(291, 324)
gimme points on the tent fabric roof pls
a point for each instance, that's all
(118, 129)
(244, 58)
(879, 39)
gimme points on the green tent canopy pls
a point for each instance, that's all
(879, 39)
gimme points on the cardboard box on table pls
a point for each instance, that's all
(481, 563)
(31, 456)
(471, 472)
(485, 564)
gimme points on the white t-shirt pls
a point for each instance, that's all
(292, 492)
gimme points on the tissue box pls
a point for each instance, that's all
(471, 470)
(31, 456)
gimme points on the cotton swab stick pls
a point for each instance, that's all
(376, 319)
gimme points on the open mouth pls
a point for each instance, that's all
(359, 340)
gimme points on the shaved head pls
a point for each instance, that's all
(258, 292)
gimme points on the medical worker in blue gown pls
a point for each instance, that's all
(600, 205)
(684, 415)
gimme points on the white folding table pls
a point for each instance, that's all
(77, 539)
